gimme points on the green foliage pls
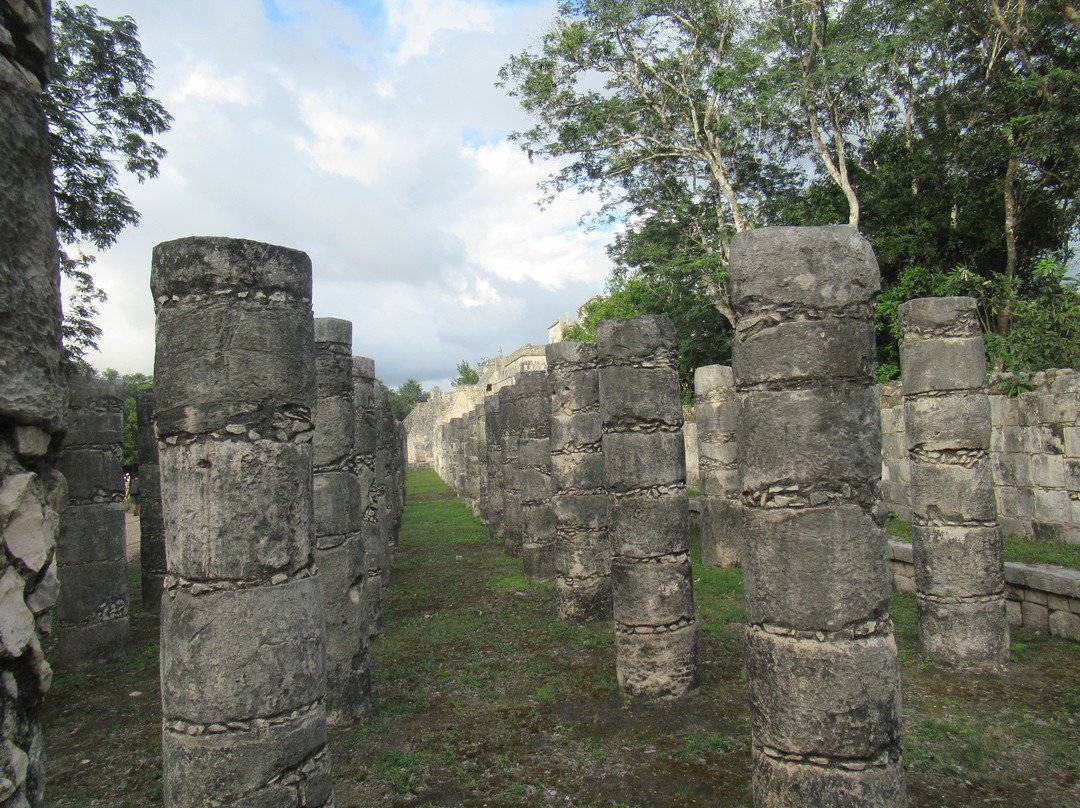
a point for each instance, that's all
(404, 398)
(466, 374)
(101, 118)
(133, 382)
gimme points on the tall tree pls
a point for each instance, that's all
(101, 116)
(467, 374)
(405, 397)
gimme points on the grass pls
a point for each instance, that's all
(482, 697)
(1017, 548)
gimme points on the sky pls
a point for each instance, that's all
(369, 134)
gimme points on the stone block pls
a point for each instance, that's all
(958, 420)
(632, 395)
(1048, 471)
(958, 560)
(335, 426)
(1059, 408)
(809, 435)
(234, 655)
(1036, 616)
(970, 633)
(807, 350)
(90, 534)
(636, 460)
(643, 526)
(785, 783)
(1014, 613)
(814, 569)
(1057, 602)
(660, 666)
(1011, 526)
(1065, 625)
(1052, 505)
(93, 475)
(585, 510)
(216, 527)
(952, 493)
(1010, 414)
(956, 363)
(652, 593)
(1071, 436)
(1013, 437)
(815, 697)
(92, 643)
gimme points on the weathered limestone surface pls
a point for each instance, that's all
(479, 420)
(578, 498)
(371, 596)
(821, 664)
(509, 432)
(534, 469)
(382, 494)
(339, 543)
(958, 553)
(33, 398)
(494, 479)
(656, 635)
(721, 509)
(151, 520)
(243, 653)
(91, 551)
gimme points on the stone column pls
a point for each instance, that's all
(381, 490)
(339, 544)
(483, 504)
(91, 552)
(578, 497)
(371, 595)
(955, 537)
(534, 464)
(716, 410)
(33, 399)
(494, 478)
(151, 521)
(243, 653)
(509, 427)
(821, 665)
(656, 634)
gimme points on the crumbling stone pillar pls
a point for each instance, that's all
(243, 653)
(381, 490)
(494, 478)
(151, 521)
(716, 410)
(534, 464)
(371, 595)
(956, 541)
(578, 497)
(821, 665)
(656, 634)
(509, 430)
(483, 504)
(91, 552)
(33, 399)
(339, 543)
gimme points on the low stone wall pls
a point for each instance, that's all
(1040, 597)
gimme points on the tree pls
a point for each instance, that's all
(133, 382)
(466, 374)
(404, 398)
(100, 114)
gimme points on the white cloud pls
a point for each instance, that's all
(417, 22)
(204, 84)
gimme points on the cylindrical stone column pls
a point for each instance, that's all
(821, 665)
(33, 399)
(151, 521)
(509, 430)
(494, 478)
(534, 464)
(371, 595)
(480, 431)
(656, 633)
(339, 544)
(716, 411)
(91, 552)
(955, 537)
(578, 497)
(243, 653)
(382, 490)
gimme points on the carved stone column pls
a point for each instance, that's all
(717, 415)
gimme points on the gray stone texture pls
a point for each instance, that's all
(366, 446)
(339, 543)
(494, 478)
(151, 520)
(510, 432)
(91, 550)
(956, 540)
(243, 649)
(821, 662)
(33, 397)
(534, 469)
(578, 498)
(656, 635)
(718, 471)
(383, 490)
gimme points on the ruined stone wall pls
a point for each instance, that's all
(1034, 449)
(33, 401)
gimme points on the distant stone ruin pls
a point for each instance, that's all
(721, 508)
